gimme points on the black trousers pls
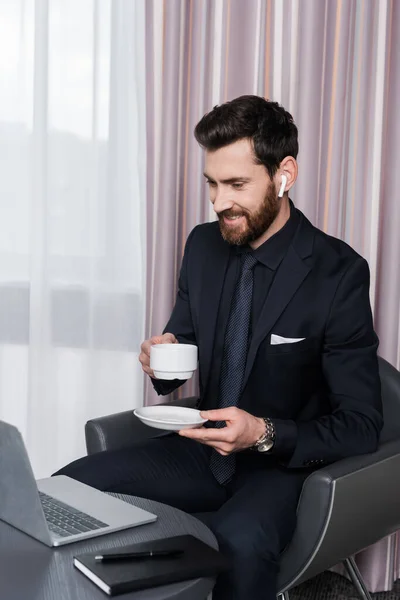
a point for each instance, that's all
(253, 517)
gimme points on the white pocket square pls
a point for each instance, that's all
(279, 339)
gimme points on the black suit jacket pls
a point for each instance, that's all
(323, 393)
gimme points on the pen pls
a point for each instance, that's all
(138, 555)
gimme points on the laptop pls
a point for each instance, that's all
(56, 510)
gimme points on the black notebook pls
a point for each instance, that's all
(197, 560)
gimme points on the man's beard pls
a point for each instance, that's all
(256, 223)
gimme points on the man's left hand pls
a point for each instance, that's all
(242, 430)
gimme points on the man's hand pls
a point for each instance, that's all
(144, 357)
(242, 430)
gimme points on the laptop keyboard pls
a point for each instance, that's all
(64, 520)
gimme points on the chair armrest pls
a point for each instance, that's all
(343, 508)
(123, 429)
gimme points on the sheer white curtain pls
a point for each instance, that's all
(72, 218)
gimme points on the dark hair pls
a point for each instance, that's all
(267, 124)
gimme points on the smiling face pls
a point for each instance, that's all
(243, 194)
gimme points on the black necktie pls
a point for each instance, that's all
(234, 360)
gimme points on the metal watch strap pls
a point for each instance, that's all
(268, 436)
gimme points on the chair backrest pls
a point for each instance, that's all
(390, 380)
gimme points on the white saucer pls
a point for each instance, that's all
(172, 418)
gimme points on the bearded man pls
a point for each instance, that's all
(289, 379)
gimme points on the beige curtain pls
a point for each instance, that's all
(334, 65)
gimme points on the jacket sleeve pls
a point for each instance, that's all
(350, 370)
(180, 321)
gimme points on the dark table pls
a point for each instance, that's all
(29, 570)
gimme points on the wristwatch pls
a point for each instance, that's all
(267, 440)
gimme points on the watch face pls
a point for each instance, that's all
(265, 446)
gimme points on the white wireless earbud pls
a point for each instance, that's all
(283, 185)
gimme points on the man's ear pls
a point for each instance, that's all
(287, 169)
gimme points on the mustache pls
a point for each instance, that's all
(231, 213)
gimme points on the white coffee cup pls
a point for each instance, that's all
(173, 361)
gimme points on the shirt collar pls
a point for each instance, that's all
(272, 252)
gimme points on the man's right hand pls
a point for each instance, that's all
(144, 357)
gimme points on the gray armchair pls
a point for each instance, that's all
(343, 508)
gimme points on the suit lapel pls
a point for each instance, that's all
(290, 275)
(213, 280)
